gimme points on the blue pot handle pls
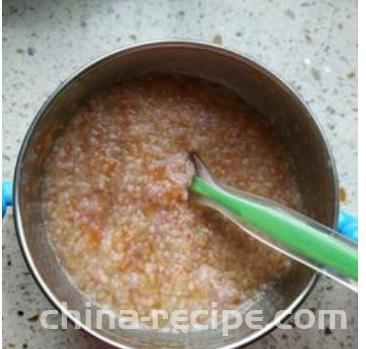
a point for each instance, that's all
(348, 225)
(7, 195)
(347, 222)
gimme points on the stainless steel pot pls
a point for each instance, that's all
(275, 100)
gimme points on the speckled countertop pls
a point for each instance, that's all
(312, 44)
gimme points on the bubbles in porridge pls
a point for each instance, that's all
(116, 202)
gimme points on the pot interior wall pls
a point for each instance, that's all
(259, 88)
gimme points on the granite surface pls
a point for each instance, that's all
(312, 44)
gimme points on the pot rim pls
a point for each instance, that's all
(143, 46)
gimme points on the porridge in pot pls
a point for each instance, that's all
(116, 204)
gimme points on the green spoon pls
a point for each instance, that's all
(283, 229)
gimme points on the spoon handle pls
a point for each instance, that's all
(296, 233)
